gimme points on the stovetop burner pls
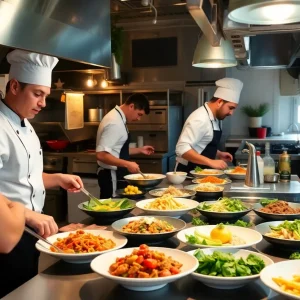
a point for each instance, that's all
(291, 148)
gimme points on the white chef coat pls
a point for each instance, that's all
(111, 135)
(21, 161)
(197, 131)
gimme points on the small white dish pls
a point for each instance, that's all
(79, 258)
(102, 263)
(284, 269)
(189, 205)
(218, 282)
(176, 178)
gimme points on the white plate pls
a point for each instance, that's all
(190, 204)
(285, 269)
(78, 258)
(197, 180)
(236, 176)
(219, 282)
(213, 172)
(250, 236)
(102, 263)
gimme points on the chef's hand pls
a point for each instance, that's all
(147, 150)
(226, 156)
(132, 167)
(218, 164)
(44, 225)
(71, 183)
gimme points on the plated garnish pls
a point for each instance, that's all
(226, 265)
(145, 263)
(224, 204)
(107, 205)
(220, 235)
(286, 230)
(166, 202)
(148, 225)
(198, 222)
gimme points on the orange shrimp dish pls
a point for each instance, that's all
(238, 170)
(145, 263)
(212, 179)
(83, 242)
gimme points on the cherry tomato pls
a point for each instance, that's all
(150, 263)
(174, 270)
(140, 259)
(144, 246)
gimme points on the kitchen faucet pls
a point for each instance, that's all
(297, 127)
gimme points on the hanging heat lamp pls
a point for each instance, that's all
(264, 12)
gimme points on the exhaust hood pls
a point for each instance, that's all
(76, 31)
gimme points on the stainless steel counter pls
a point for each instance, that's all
(78, 282)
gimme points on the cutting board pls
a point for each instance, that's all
(74, 118)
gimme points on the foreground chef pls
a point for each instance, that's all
(21, 161)
(12, 221)
(201, 133)
(112, 145)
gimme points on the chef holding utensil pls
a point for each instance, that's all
(112, 144)
(201, 133)
(21, 161)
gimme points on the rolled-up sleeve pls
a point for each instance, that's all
(191, 135)
(107, 138)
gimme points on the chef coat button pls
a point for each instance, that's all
(40, 152)
(30, 130)
(29, 176)
(33, 196)
(17, 131)
(43, 192)
(29, 156)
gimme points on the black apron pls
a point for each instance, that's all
(209, 151)
(104, 176)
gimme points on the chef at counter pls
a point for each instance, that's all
(201, 133)
(112, 145)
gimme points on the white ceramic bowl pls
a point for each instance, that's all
(250, 236)
(102, 263)
(218, 282)
(284, 269)
(190, 204)
(176, 178)
(81, 257)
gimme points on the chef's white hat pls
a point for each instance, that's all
(229, 89)
(30, 67)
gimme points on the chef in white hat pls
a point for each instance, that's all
(201, 133)
(21, 161)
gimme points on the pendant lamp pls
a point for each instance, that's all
(207, 56)
(264, 12)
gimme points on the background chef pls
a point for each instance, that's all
(112, 144)
(201, 133)
(21, 161)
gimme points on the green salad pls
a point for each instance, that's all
(226, 265)
(264, 202)
(224, 204)
(291, 228)
(95, 204)
(198, 222)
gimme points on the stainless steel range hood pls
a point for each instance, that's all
(73, 30)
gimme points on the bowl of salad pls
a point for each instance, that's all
(228, 268)
(107, 208)
(224, 209)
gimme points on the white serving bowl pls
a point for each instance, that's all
(102, 263)
(250, 236)
(78, 258)
(284, 269)
(218, 282)
(189, 205)
(176, 178)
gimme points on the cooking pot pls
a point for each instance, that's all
(57, 144)
(95, 114)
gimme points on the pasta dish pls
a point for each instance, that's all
(166, 202)
(148, 225)
(238, 170)
(171, 190)
(211, 179)
(145, 263)
(208, 172)
(208, 187)
(83, 242)
(286, 230)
